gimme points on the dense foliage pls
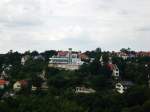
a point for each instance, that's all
(60, 97)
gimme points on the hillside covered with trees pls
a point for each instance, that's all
(61, 96)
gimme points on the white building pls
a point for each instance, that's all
(101, 61)
(115, 71)
(19, 85)
(3, 75)
(24, 59)
(66, 60)
(123, 55)
(84, 90)
(121, 87)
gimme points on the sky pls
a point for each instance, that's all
(80, 24)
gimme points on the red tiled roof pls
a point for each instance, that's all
(62, 53)
(3, 82)
(143, 53)
(83, 56)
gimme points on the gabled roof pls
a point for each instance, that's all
(83, 56)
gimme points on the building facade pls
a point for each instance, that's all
(66, 60)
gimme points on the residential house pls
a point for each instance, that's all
(3, 83)
(92, 59)
(83, 57)
(3, 75)
(123, 55)
(24, 59)
(101, 61)
(84, 90)
(44, 85)
(122, 86)
(115, 70)
(33, 88)
(119, 88)
(142, 53)
(20, 85)
(43, 75)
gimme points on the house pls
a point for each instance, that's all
(66, 60)
(101, 61)
(24, 59)
(121, 87)
(33, 88)
(3, 75)
(115, 70)
(20, 85)
(3, 83)
(122, 55)
(142, 53)
(83, 57)
(84, 90)
(39, 57)
(44, 86)
(92, 59)
(43, 75)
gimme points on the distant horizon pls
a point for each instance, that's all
(73, 50)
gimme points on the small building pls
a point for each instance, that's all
(83, 57)
(33, 88)
(44, 86)
(20, 85)
(39, 57)
(3, 75)
(43, 75)
(121, 87)
(122, 55)
(101, 61)
(142, 54)
(92, 59)
(3, 84)
(115, 70)
(84, 90)
(24, 59)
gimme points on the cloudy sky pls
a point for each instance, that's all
(80, 24)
